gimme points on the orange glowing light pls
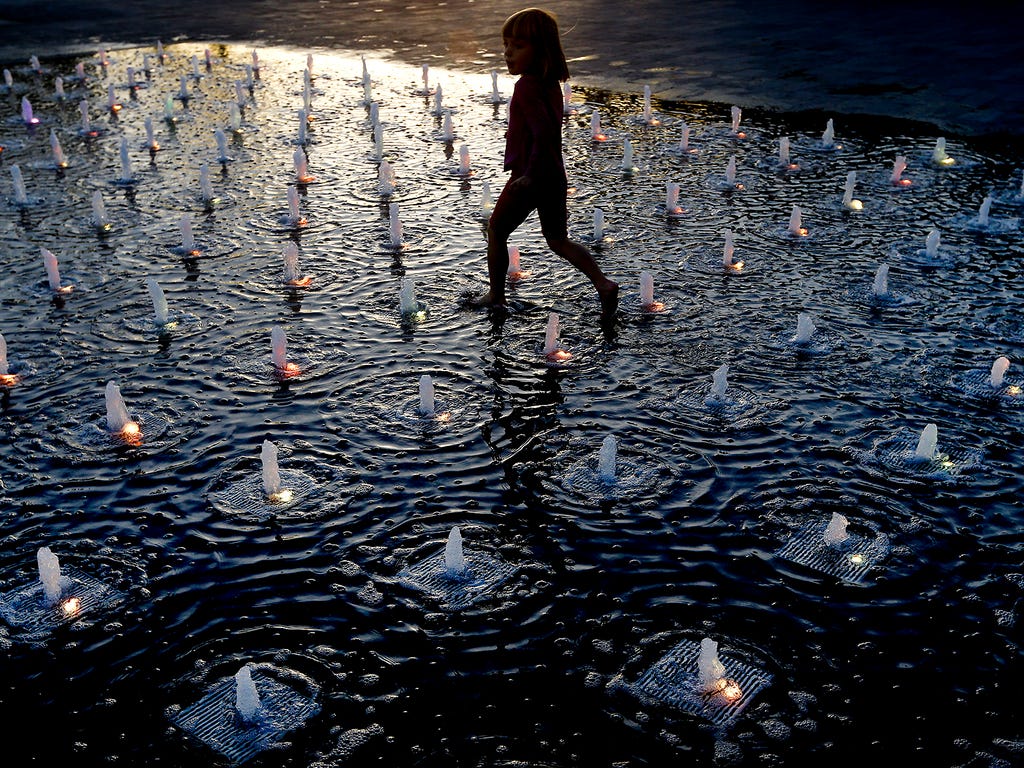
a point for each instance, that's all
(731, 691)
(444, 418)
(9, 379)
(131, 433)
(64, 289)
(306, 179)
(115, 108)
(857, 558)
(675, 211)
(654, 306)
(301, 282)
(736, 266)
(154, 147)
(289, 371)
(724, 689)
(600, 137)
(559, 356)
(71, 606)
(801, 232)
(741, 135)
(1013, 389)
(904, 182)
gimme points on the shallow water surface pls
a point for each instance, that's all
(604, 583)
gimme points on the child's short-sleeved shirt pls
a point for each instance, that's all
(533, 142)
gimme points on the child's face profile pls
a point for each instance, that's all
(518, 55)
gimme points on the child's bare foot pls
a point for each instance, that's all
(609, 301)
(487, 300)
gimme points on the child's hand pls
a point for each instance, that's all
(521, 184)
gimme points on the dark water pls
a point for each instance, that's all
(959, 69)
(914, 664)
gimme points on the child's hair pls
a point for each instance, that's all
(540, 28)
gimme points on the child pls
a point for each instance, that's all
(533, 154)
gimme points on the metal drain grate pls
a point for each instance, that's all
(849, 560)
(673, 680)
(25, 608)
(214, 720)
(483, 574)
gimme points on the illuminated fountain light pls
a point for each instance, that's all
(53, 273)
(736, 114)
(161, 316)
(294, 218)
(693, 678)
(551, 350)
(648, 304)
(940, 157)
(729, 261)
(120, 424)
(917, 455)
(410, 309)
(728, 181)
(849, 202)
(86, 129)
(301, 163)
(836, 548)
(292, 276)
(100, 220)
(250, 711)
(896, 179)
(722, 404)
(60, 595)
(596, 131)
(386, 179)
(785, 163)
(796, 228)
(27, 115)
(59, 160)
(515, 271)
(273, 491)
(828, 137)
(990, 385)
(672, 207)
(647, 116)
(188, 247)
(457, 577)
(283, 367)
(206, 193)
(151, 143)
(12, 372)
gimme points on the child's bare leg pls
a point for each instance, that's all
(497, 267)
(580, 257)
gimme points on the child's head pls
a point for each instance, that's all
(540, 29)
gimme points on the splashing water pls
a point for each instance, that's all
(270, 470)
(394, 226)
(598, 225)
(117, 411)
(247, 698)
(156, 294)
(719, 383)
(49, 575)
(880, 286)
(828, 138)
(709, 669)
(454, 557)
(672, 198)
(848, 201)
(407, 297)
(606, 460)
(835, 532)
(999, 368)
(427, 407)
(926, 444)
(804, 329)
(898, 167)
(386, 179)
